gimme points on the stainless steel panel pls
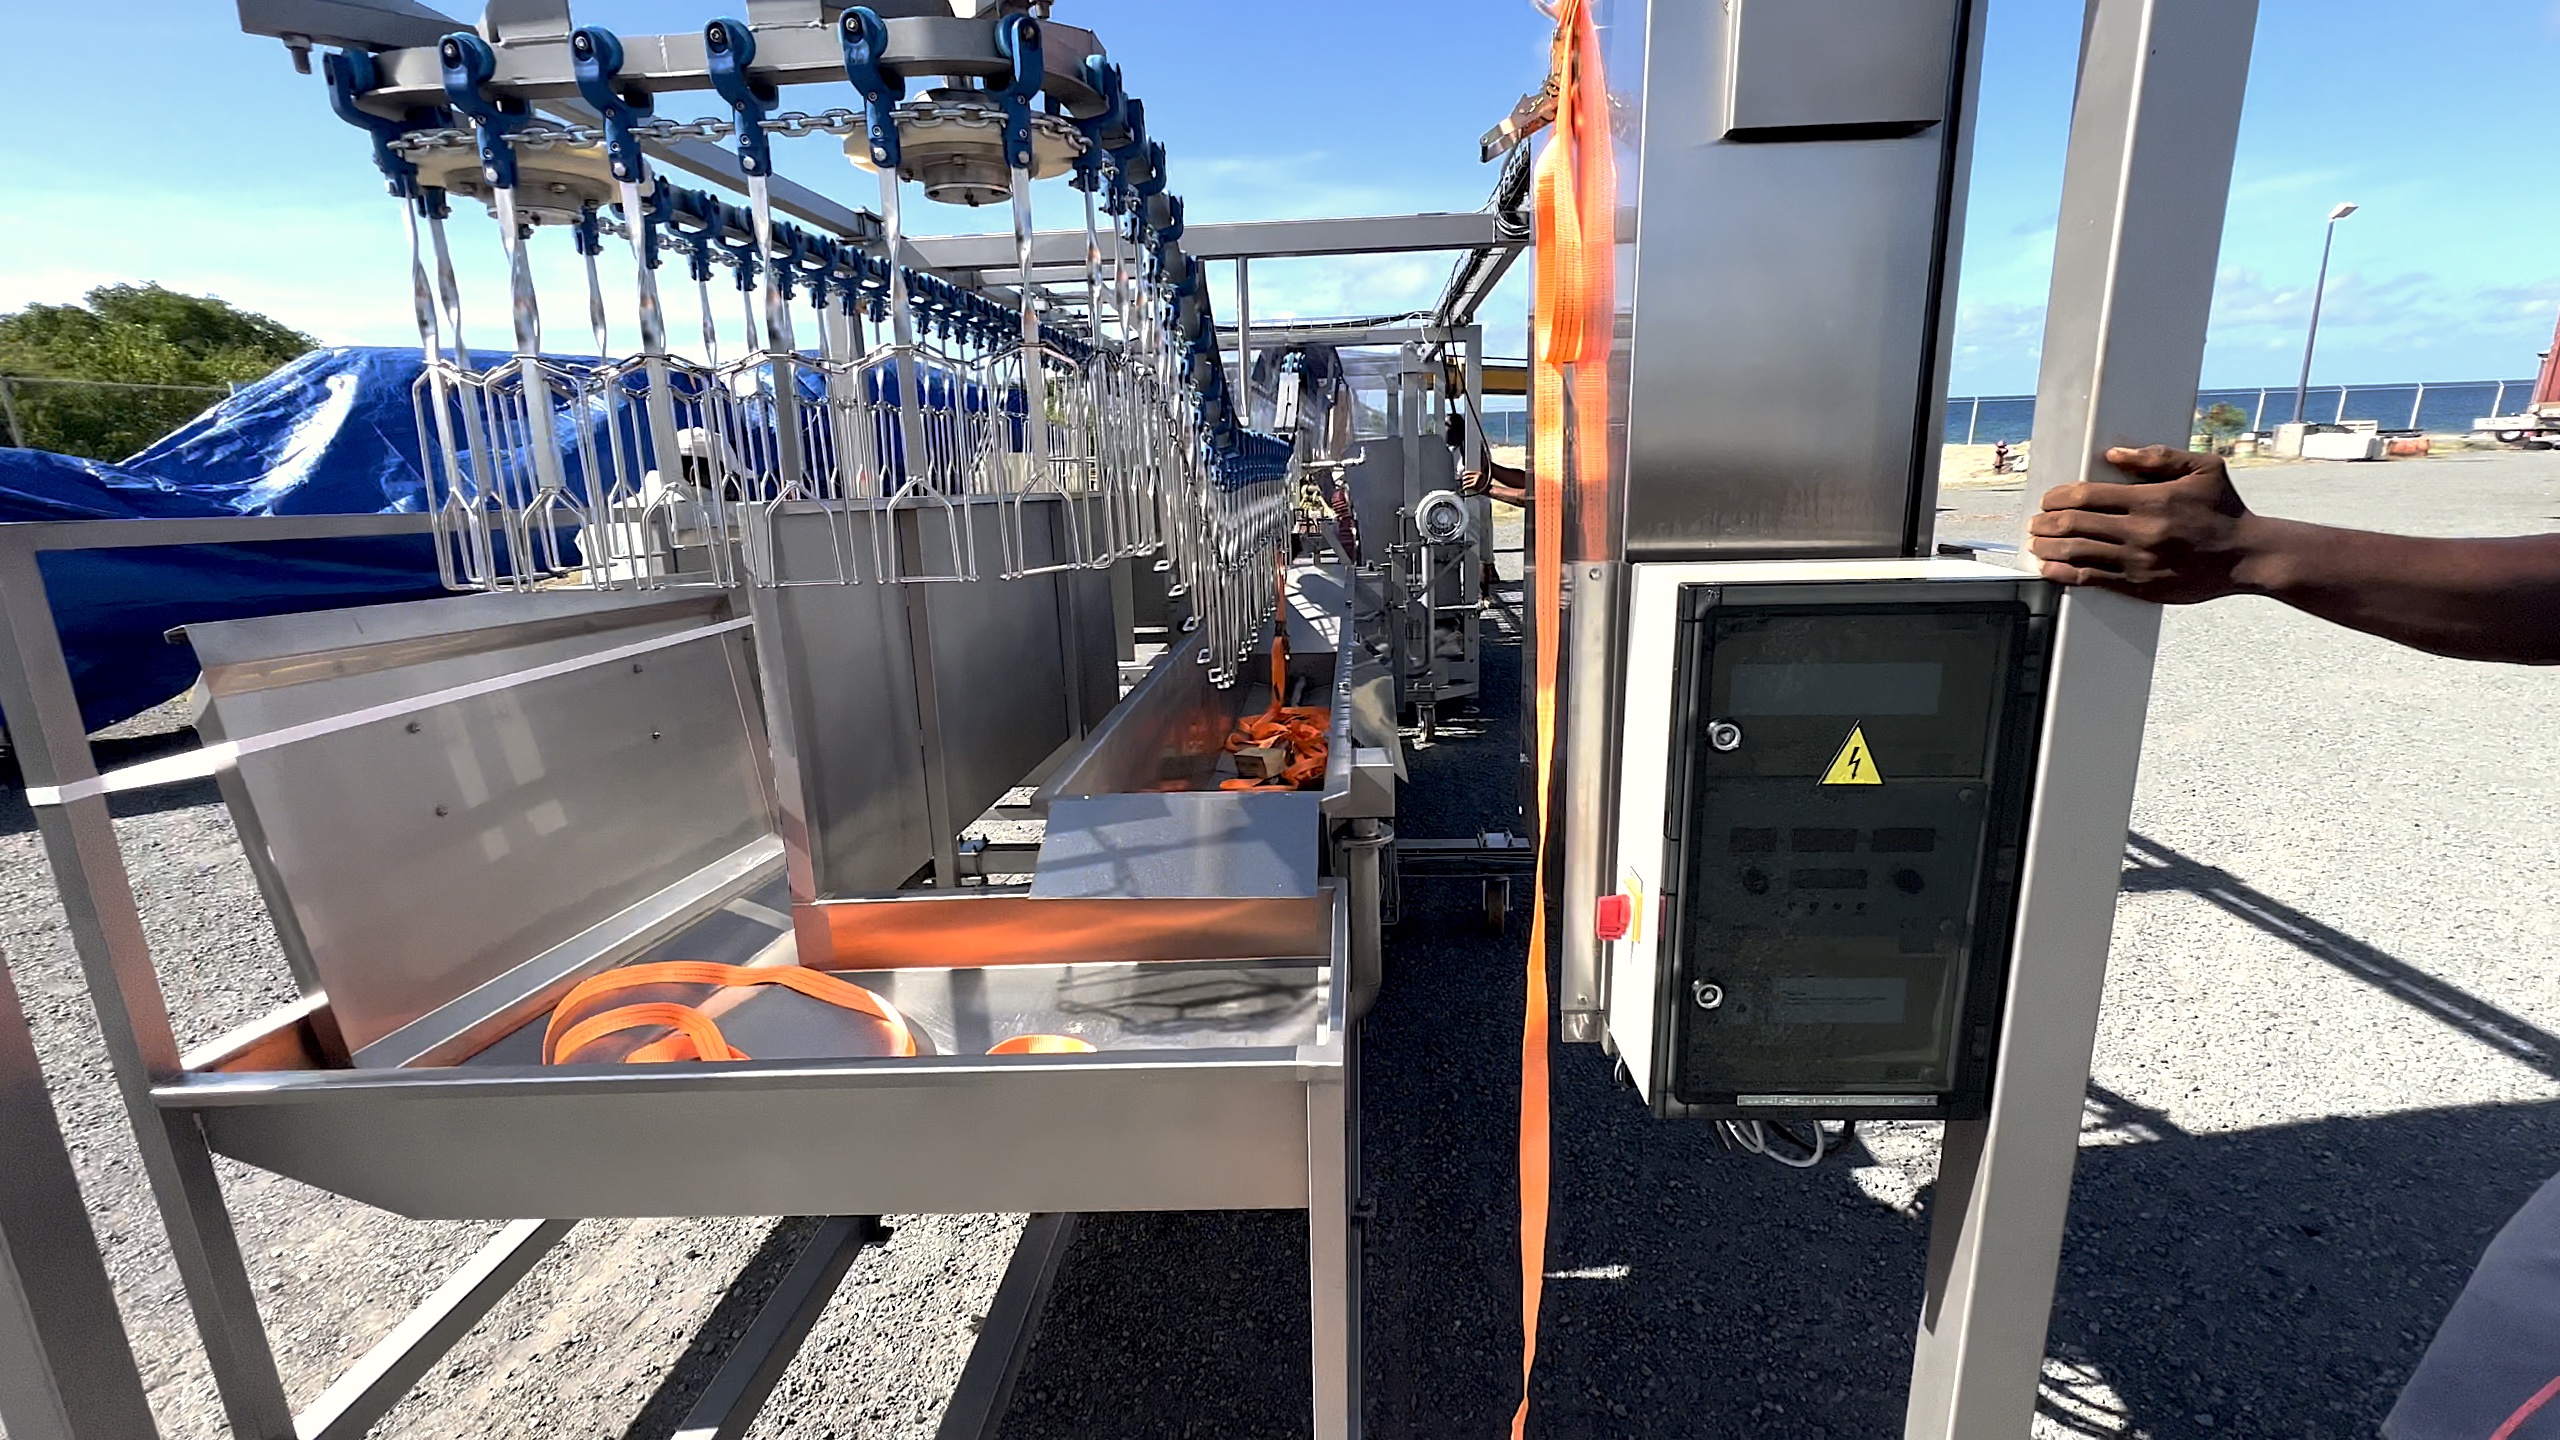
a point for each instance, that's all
(1205, 1130)
(466, 1024)
(1000, 662)
(410, 861)
(1825, 64)
(838, 683)
(1785, 305)
(1167, 734)
(1213, 844)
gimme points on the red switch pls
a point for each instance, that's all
(1613, 917)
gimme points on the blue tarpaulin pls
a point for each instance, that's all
(333, 433)
(330, 434)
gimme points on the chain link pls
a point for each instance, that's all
(793, 123)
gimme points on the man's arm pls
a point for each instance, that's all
(2186, 536)
(1505, 483)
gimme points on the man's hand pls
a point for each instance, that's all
(1473, 482)
(2181, 537)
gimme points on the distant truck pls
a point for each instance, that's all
(2538, 424)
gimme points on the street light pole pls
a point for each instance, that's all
(2302, 387)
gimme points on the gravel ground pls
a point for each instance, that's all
(2327, 1071)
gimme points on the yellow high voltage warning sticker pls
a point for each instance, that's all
(1853, 765)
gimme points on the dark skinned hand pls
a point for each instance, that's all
(2176, 536)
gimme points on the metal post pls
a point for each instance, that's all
(2415, 401)
(1476, 438)
(2498, 406)
(2341, 417)
(9, 411)
(2153, 128)
(2319, 289)
(1333, 1296)
(66, 1368)
(1244, 340)
(115, 959)
(1973, 421)
(2258, 417)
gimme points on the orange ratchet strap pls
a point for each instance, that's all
(695, 1035)
(1574, 319)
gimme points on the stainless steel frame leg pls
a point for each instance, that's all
(66, 1368)
(115, 958)
(2148, 170)
(1332, 1264)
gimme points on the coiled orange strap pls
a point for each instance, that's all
(695, 1036)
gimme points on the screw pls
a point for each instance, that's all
(443, 810)
(414, 727)
(1707, 993)
(1725, 736)
(655, 735)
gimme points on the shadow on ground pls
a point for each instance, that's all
(2275, 1282)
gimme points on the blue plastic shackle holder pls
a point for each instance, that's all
(728, 48)
(865, 38)
(467, 63)
(1018, 40)
(595, 55)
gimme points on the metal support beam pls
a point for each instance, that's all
(1254, 239)
(1333, 1259)
(985, 1390)
(729, 1405)
(2144, 185)
(356, 1400)
(66, 1369)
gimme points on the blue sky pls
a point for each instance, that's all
(206, 164)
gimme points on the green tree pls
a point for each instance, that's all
(133, 335)
(2219, 423)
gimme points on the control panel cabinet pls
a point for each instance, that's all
(1843, 808)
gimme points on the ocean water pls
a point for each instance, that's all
(2443, 408)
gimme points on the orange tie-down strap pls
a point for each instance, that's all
(1573, 320)
(694, 1035)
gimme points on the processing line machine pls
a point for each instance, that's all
(1831, 818)
(748, 639)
